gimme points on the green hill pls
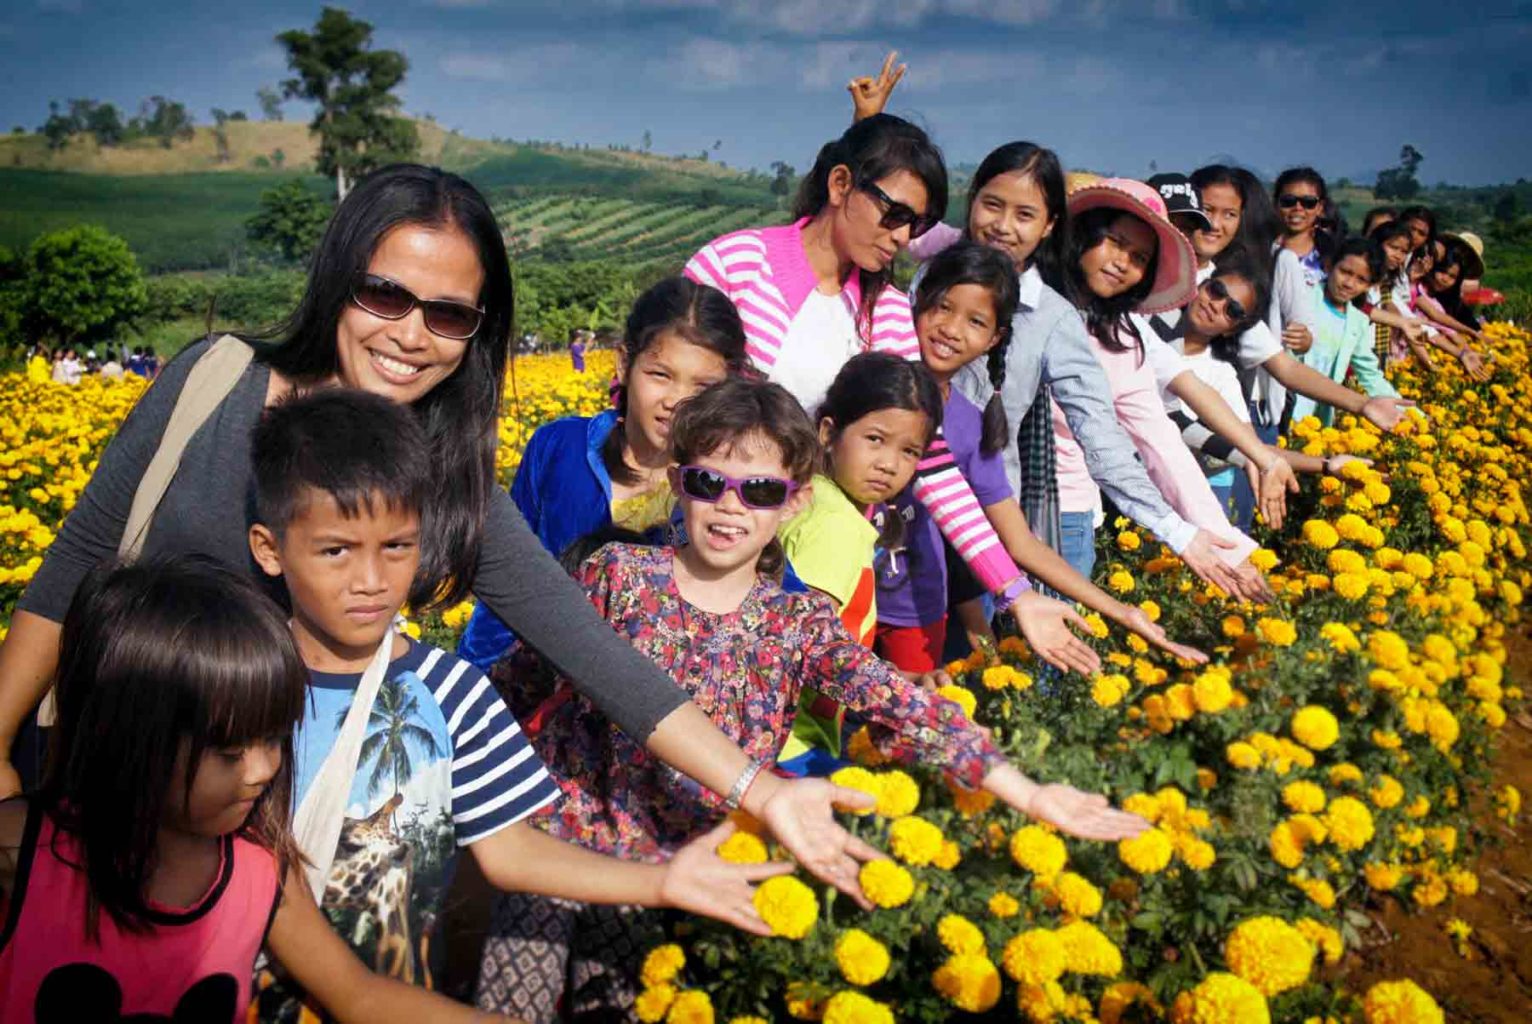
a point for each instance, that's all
(182, 209)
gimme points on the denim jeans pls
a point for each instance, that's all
(1077, 540)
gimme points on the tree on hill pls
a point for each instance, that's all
(163, 119)
(221, 134)
(271, 103)
(58, 128)
(290, 220)
(782, 180)
(1400, 182)
(80, 284)
(357, 121)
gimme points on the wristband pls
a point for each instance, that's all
(1014, 589)
(742, 784)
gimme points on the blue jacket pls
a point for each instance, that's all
(564, 491)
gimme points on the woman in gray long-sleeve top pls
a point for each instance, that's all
(409, 296)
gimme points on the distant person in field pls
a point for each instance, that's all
(577, 350)
(111, 368)
(136, 361)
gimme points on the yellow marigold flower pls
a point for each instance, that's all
(1150, 609)
(1339, 636)
(1076, 895)
(690, 1007)
(861, 958)
(1388, 649)
(1040, 1003)
(1463, 882)
(661, 965)
(898, 795)
(858, 778)
(997, 677)
(1088, 951)
(1386, 792)
(1264, 559)
(1243, 755)
(862, 750)
(1128, 541)
(1207, 778)
(1315, 727)
(1148, 852)
(1344, 773)
(804, 1001)
(1120, 581)
(1419, 807)
(1121, 995)
(915, 840)
(1277, 632)
(1325, 939)
(948, 857)
(1343, 560)
(1233, 626)
(959, 935)
(1181, 702)
(1386, 740)
(885, 883)
(787, 906)
(1109, 690)
(968, 981)
(1039, 851)
(1144, 805)
(1270, 954)
(1430, 891)
(1318, 890)
(748, 1020)
(1004, 905)
(1035, 957)
(742, 848)
(1306, 797)
(1508, 803)
(651, 1004)
(1417, 565)
(970, 802)
(961, 696)
(1319, 534)
(1351, 586)
(1221, 998)
(1400, 1002)
(1197, 854)
(1382, 877)
(1285, 845)
(852, 1007)
(1442, 726)
(1349, 823)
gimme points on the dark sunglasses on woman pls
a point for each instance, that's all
(1232, 306)
(757, 492)
(390, 300)
(896, 214)
(1288, 201)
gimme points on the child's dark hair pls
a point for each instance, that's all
(972, 263)
(1369, 249)
(158, 661)
(873, 149)
(1043, 167)
(697, 313)
(1376, 215)
(356, 447)
(1425, 215)
(1258, 223)
(585, 545)
(1106, 319)
(1382, 235)
(1226, 346)
(742, 410)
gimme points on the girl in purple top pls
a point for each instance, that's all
(963, 307)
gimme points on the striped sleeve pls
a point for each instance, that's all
(735, 264)
(893, 325)
(497, 779)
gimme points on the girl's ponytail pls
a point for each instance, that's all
(997, 428)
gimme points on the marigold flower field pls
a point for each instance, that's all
(1338, 746)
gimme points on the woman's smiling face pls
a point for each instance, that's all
(402, 359)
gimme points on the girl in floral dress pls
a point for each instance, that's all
(713, 614)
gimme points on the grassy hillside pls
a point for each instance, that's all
(624, 229)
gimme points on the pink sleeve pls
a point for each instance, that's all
(940, 237)
(706, 268)
(1170, 463)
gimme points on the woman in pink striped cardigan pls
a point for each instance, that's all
(816, 292)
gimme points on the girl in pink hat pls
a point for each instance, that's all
(1124, 256)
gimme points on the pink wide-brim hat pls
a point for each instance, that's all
(1175, 277)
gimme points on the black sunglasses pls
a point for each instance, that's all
(1288, 201)
(1218, 290)
(896, 214)
(758, 492)
(392, 301)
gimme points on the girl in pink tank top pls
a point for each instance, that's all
(156, 860)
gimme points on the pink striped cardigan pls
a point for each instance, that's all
(766, 272)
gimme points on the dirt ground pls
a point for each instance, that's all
(1494, 982)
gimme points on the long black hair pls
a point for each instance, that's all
(873, 149)
(1258, 223)
(1452, 298)
(972, 263)
(1382, 235)
(1043, 167)
(160, 661)
(1105, 319)
(461, 415)
(1425, 215)
(1324, 240)
(698, 314)
(1226, 346)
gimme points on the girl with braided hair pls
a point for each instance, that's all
(963, 311)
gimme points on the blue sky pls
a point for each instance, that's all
(1111, 85)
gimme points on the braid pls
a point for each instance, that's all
(996, 429)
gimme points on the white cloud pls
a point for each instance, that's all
(525, 65)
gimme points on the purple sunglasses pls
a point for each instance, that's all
(758, 492)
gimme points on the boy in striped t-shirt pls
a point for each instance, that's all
(340, 481)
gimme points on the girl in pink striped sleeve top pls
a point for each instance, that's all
(816, 292)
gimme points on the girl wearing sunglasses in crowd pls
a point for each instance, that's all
(1301, 197)
(584, 474)
(816, 292)
(713, 615)
(1225, 305)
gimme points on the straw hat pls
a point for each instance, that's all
(1470, 250)
(1175, 278)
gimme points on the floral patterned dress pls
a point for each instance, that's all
(745, 670)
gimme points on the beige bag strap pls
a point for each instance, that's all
(207, 385)
(319, 819)
(212, 378)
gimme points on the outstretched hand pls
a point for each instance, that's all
(870, 95)
(1385, 412)
(1201, 557)
(1086, 815)
(698, 881)
(1137, 620)
(1277, 481)
(1045, 623)
(801, 815)
(1474, 363)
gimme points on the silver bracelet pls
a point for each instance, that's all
(742, 784)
